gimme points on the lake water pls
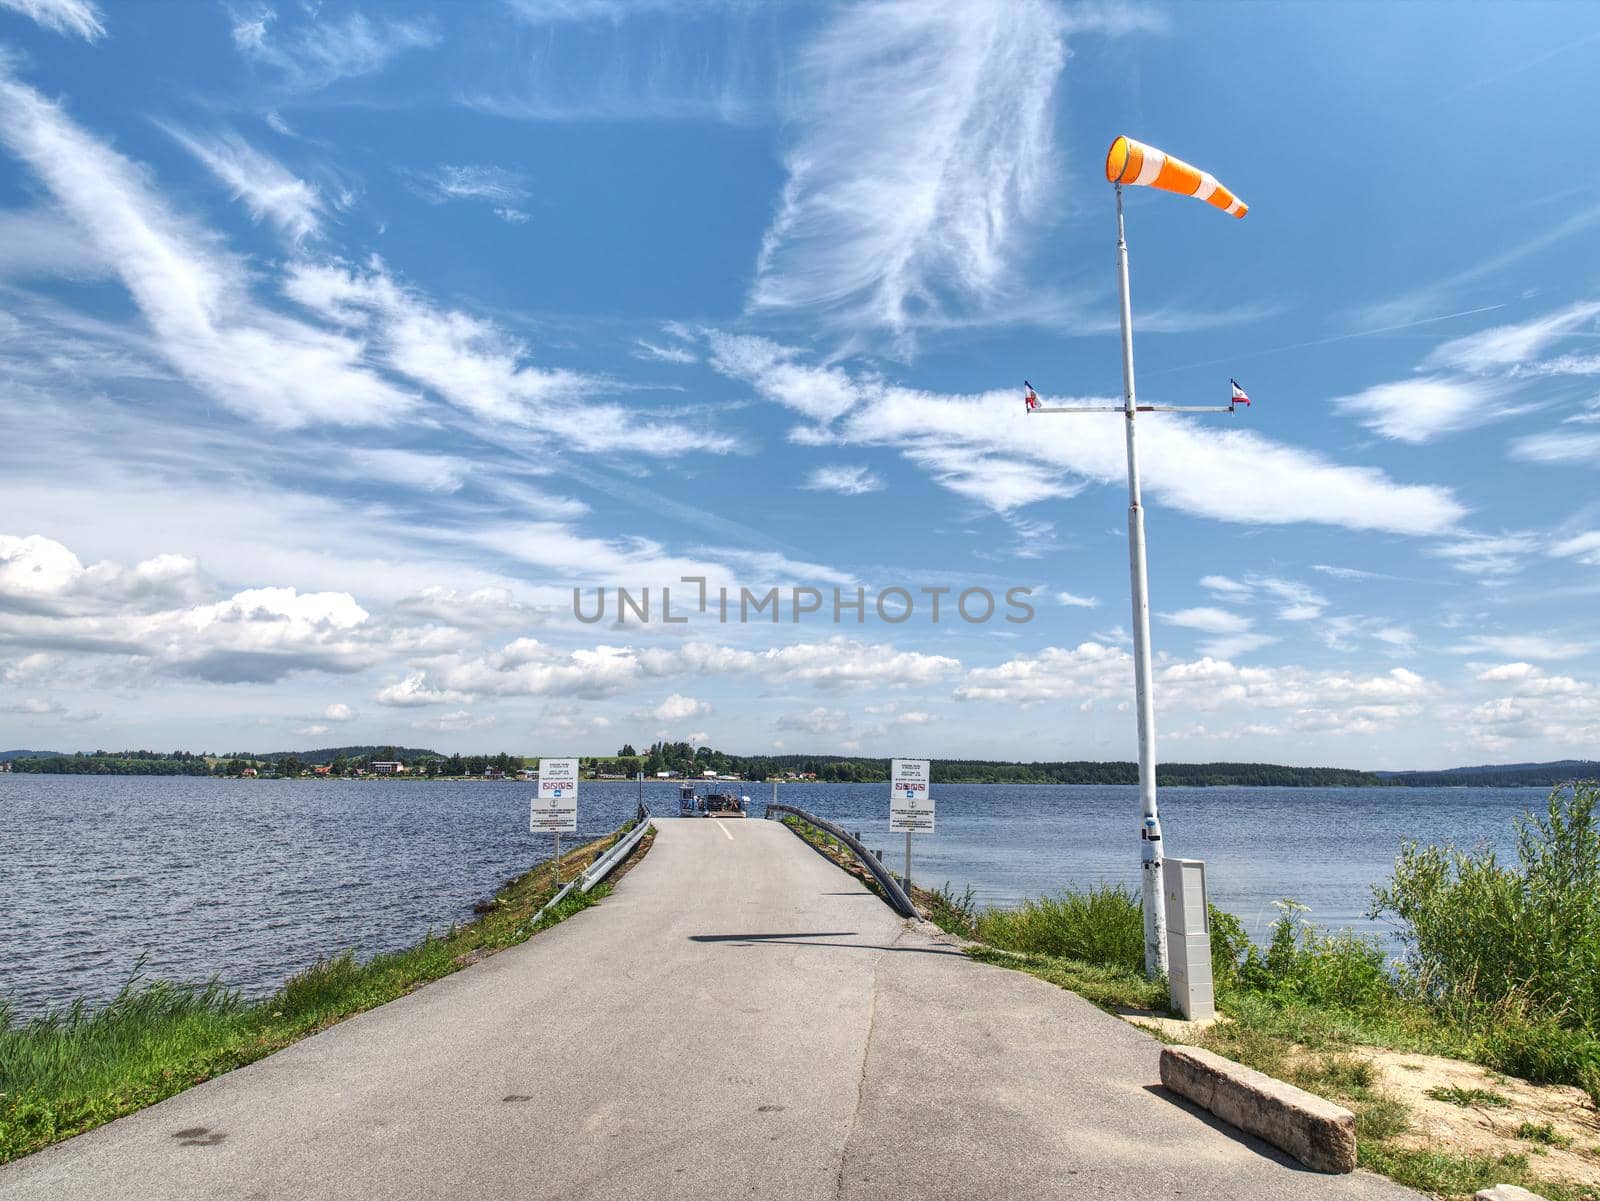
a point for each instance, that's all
(254, 879)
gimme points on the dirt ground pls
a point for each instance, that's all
(1483, 1127)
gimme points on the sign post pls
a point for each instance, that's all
(555, 807)
(910, 805)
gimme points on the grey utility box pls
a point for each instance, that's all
(1183, 881)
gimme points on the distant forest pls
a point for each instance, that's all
(689, 760)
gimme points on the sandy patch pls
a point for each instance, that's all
(1481, 1127)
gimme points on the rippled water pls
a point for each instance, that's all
(254, 879)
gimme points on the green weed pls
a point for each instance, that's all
(1468, 1098)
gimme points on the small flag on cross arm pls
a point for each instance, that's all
(1239, 398)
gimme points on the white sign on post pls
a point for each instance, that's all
(554, 810)
(910, 805)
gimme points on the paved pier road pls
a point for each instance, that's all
(739, 1020)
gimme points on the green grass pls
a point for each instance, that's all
(1102, 926)
(73, 1068)
(1469, 1098)
(1110, 987)
(1543, 1133)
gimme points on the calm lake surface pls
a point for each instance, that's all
(253, 880)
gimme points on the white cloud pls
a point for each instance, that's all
(651, 352)
(923, 151)
(1211, 620)
(1420, 410)
(1488, 556)
(412, 691)
(1073, 601)
(410, 468)
(1523, 646)
(339, 711)
(1531, 707)
(63, 16)
(268, 189)
(529, 667)
(986, 448)
(1301, 699)
(318, 53)
(1583, 547)
(1558, 446)
(1510, 346)
(466, 609)
(475, 182)
(193, 296)
(821, 393)
(678, 707)
(1348, 573)
(1233, 630)
(847, 481)
(481, 369)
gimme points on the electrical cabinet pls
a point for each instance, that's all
(1183, 881)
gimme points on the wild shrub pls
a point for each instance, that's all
(1306, 963)
(1229, 943)
(1478, 932)
(954, 914)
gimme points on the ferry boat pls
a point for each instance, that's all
(711, 804)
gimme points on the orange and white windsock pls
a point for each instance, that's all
(1133, 162)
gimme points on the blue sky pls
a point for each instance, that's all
(340, 343)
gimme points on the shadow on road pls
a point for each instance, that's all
(804, 940)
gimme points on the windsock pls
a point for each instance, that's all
(1133, 162)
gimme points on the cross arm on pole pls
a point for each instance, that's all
(1137, 409)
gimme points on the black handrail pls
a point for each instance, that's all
(898, 900)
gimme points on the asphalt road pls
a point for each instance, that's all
(739, 1020)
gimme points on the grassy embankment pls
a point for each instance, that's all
(74, 1068)
(1501, 968)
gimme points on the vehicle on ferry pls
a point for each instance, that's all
(711, 804)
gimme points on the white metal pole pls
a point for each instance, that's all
(908, 863)
(556, 862)
(1155, 907)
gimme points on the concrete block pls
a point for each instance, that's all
(1315, 1131)
(1505, 1192)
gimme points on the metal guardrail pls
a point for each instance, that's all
(898, 900)
(606, 864)
(601, 867)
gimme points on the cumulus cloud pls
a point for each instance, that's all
(529, 667)
(678, 707)
(1300, 698)
(39, 574)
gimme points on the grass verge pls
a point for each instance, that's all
(70, 1069)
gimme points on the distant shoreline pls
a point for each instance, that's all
(1384, 785)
